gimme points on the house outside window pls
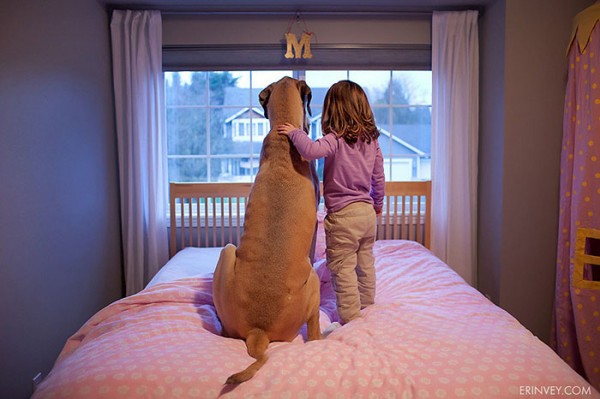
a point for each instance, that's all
(215, 125)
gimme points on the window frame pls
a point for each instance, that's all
(251, 123)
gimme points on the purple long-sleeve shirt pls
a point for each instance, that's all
(352, 173)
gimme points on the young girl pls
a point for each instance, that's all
(353, 188)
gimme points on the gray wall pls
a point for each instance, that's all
(491, 148)
(523, 79)
(60, 254)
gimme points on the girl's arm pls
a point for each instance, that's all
(307, 148)
(378, 181)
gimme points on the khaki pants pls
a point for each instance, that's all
(350, 235)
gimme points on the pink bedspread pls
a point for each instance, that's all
(428, 335)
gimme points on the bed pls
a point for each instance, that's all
(429, 334)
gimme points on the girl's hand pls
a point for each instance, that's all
(286, 128)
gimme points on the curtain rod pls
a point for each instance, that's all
(291, 13)
(397, 13)
(408, 12)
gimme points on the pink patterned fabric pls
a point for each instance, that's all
(428, 335)
(576, 329)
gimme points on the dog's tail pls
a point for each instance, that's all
(257, 342)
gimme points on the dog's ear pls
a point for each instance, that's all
(263, 98)
(306, 95)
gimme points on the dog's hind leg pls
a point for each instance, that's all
(225, 270)
(257, 343)
(313, 327)
(312, 324)
(222, 285)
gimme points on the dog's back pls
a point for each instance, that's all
(266, 289)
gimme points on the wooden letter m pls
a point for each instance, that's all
(292, 42)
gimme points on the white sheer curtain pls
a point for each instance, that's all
(139, 93)
(455, 72)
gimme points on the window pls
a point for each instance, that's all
(215, 124)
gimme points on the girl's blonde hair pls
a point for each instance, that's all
(346, 112)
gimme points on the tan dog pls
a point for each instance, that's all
(266, 289)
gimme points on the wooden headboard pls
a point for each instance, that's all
(212, 214)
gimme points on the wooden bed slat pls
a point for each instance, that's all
(206, 219)
(190, 220)
(199, 212)
(215, 219)
(409, 219)
(213, 213)
(229, 221)
(238, 220)
(403, 230)
(182, 204)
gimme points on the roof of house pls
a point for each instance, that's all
(259, 112)
(406, 139)
(398, 139)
